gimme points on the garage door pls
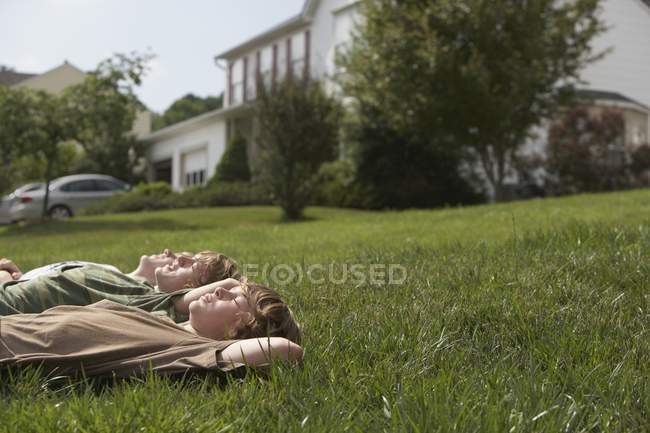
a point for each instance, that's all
(195, 166)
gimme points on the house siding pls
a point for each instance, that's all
(209, 137)
(626, 69)
(324, 36)
(55, 80)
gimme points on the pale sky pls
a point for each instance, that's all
(37, 35)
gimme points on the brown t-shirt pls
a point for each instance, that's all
(105, 339)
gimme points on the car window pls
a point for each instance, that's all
(34, 187)
(107, 185)
(79, 186)
(29, 188)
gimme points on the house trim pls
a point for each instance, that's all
(188, 124)
(610, 99)
(349, 6)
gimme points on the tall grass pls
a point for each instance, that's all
(522, 317)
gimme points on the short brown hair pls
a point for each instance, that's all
(271, 316)
(215, 267)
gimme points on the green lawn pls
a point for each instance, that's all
(529, 316)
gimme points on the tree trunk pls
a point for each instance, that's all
(499, 191)
(48, 178)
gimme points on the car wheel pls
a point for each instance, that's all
(60, 212)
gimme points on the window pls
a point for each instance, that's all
(79, 186)
(266, 65)
(281, 60)
(237, 81)
(107, 185)
(195, 178)
(298, 55)
(251, 73)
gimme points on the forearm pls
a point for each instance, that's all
(182, 303)
(257, 352)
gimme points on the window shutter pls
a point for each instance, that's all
(258, 69)
(230, 98)
(307, 44)
(274, 70)
(289, 66)
(245, 96)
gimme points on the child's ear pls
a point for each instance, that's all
(244, 316)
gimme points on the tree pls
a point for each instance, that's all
(34, 126)
(401, 170)
(477, 74)
(97, 113)
(15, 129)
(233, 165)
(103, 109)
(586, 152)
(33, 166)
(187, 107)
(298, 131)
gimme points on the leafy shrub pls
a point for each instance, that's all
(403, 169)
(299, 127)
(159, 195)
(336, 186)
(154, 189)
(586, 153)
(233, 165)
(640, 165)
(145, 196)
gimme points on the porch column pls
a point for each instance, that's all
(176, 171)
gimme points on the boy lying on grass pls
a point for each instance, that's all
(248, 324)
(220, 266)
(74, 284)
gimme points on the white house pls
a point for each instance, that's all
(186, 154)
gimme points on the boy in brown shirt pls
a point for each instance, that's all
(248, 324)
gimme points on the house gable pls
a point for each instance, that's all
(56, 79)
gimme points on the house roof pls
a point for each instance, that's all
(9, 78)
(188, 124)
(603, 95)
(304, 17)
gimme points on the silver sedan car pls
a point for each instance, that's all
(8, 200)
(68, 194)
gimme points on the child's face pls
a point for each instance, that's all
(213, 315)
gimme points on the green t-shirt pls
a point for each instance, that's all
(85, 285)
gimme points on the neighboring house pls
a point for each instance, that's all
(56, 80)
(186, 154)
(622, 78)
(619, 81)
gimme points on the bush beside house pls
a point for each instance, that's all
(233, 166)
(159, 195)
(587, 153)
